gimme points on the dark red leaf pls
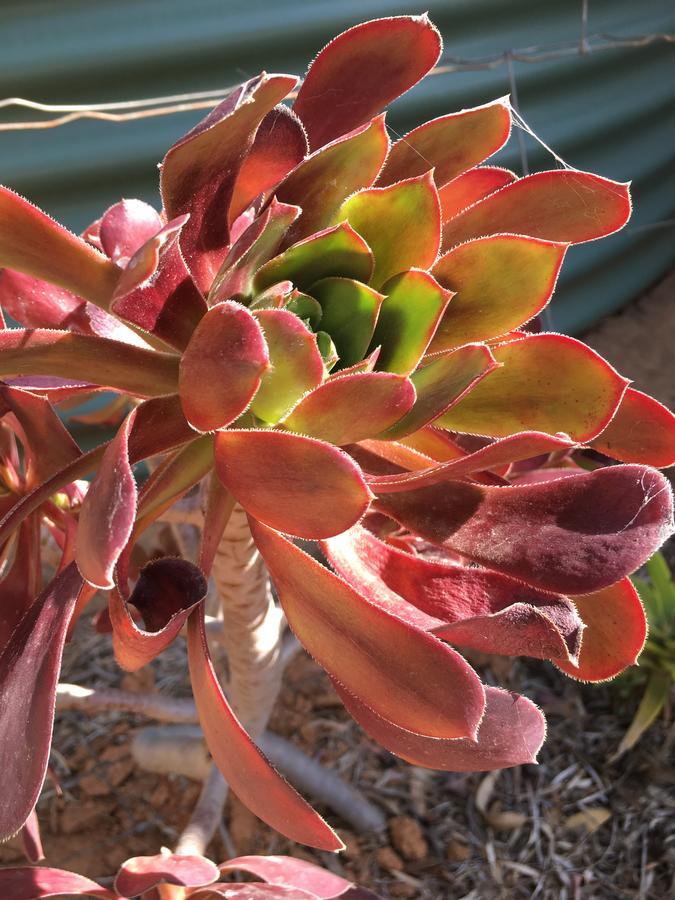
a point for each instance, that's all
(35, 882)
(510, 734)
(141, 873)
(361, 71)
(125, 227)
(29, 671)
(571, 536)
(199, 173)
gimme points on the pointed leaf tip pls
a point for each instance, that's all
(362, 70)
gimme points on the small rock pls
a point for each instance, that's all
(120, 771)
(407, 837)
(94, 786)
(78, 816)
(458, 851)
(115, 752)
(389, 859)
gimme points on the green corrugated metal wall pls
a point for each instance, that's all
(612, 112)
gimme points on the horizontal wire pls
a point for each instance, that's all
(177, 103)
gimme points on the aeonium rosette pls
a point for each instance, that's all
(329, 327)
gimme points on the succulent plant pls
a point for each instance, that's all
(330, 327)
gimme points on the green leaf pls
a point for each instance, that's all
(401, 223)
(653, 700)
(410, 313)
(349, 312)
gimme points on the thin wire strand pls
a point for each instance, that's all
(129, 110)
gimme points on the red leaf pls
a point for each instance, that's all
(159, 426)
(279, 145)
(546, 382)
(48, 445)
(288, 871)
(125, 227)
(29, 671)
(252, 892)
(165, 594)
(245, 768)
(33, 882)
(570, 536)
(500, 453)
(616, 629)
(221, 368)
(38, 304)
(35, 244)
(141, 873)
(642, 431)
(169, 306)
(297, 484)
(471, 187)
(500, 282)
(450, 144)
(383, 216)
(30, 839)
(257, 244)
(199, 173)
(510, 734)
(396, 669)
(108, 511)
(143, 264)
(352, 408)
(470, 607)
(361, 71)
(327, 177)
(562, 205)
(133, 370)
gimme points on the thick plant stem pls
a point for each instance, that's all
(252, 635)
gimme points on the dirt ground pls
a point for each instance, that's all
(574, 826)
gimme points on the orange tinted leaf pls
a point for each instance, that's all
(450, 144)
(221, 368)
(350, 408)
(279, 146)
(297, 484)
(643, 431)
(442, 383)
(500, 282)
(34, 243)
(361, 71)
(87, 357)
(383, 217)
(470, 187)
(615, 633)
(562, 205)
(247, 771)
(322, 181)
(396, 669)
(546, 382)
